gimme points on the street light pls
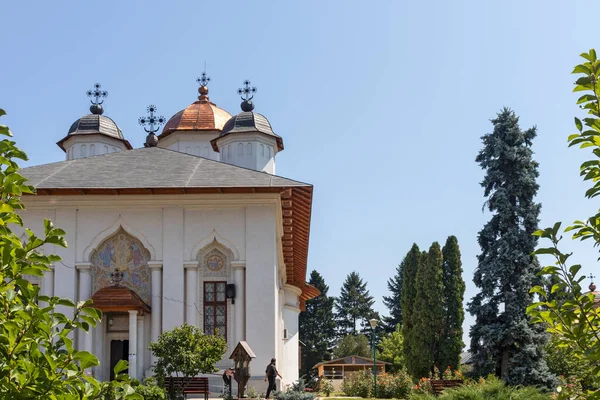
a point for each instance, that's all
(373, 322)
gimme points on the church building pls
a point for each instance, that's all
(193, 227)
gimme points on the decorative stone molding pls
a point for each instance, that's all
(211, 239)
(114, 228)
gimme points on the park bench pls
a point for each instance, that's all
(195, 385)
(439, 385)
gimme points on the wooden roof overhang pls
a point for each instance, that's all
(296, 207)
(118, 299)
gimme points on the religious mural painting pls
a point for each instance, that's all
(127, 254)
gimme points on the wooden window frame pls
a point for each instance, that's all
(214, 305)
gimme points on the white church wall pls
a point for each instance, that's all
(253, 151)
(174, 229)
(81, 146)
(262, 293)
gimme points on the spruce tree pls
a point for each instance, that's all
(428, 312)
(407, 301)
(354, 304)
(503, 340)
(317, 326)
(451, 343)
(392, 302)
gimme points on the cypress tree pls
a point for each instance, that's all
(451, 343)
(428, 314)
(317, 326)
(355, 304)
(407, 300)
(503, 340)
(392, 302)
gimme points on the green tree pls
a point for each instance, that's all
(393, 301)
(503, 339)
(391, 349)
(317, 326)
(37, 355)
(407, 299)
(354, 305)
(451, 343)
(353, 345)
(185, 352)
(568, 313)
(428, 313)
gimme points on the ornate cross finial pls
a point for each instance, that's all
(97, 94)
(116, 277)
(247, 92)
(153, 122)
(203, 80)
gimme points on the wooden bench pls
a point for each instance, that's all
(439, 385)
(195, 385)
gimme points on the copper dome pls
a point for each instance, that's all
(201, 115)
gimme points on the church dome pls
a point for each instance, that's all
(201, 115)
(249, 121)
(95, 124)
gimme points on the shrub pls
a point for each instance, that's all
(326, 387)
(486, 389)
(394, 386)
(149, 390)
(358, 384)
(296, 392)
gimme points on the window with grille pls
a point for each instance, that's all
(215, 308)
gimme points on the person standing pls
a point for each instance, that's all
(271, 374)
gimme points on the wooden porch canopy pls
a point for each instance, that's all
(119, 299)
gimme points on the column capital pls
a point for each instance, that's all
(155, 264)
(190, 264)
(140, 317)
(133, 312)
(83, 266)
(238, 264)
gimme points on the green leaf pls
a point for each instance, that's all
(120, 367)
(86, 359)
(573, 136)
(578, 124)
(5, 131)
(66, 302)
(574, 269)
(2, 112)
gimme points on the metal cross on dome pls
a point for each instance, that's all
(203, 80)
(591, 277)
(153, 122)
(97, 93)
(247, 92)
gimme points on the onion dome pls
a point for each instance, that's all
(95, 123)
(201, 115)
(248, 121)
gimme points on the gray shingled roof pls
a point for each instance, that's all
(91, 123)
(151, 167)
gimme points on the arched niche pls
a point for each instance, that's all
(215, 259)
(128, 254)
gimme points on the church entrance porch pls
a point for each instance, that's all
(124, 334)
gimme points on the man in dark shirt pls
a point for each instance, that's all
(271, 374)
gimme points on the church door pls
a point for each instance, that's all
(119, 350)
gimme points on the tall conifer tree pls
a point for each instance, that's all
(407, 301)
(392, 302)
(503, 341)
(354, 304)
(428, 312)
(451, 343)
(317, 326)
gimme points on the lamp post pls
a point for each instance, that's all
(373, 322)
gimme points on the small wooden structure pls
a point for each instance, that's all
(439, 385)
(241, 356)
(343, 367)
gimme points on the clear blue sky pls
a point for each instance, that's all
(381, 104)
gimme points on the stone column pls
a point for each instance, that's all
(239, 279)
(156, 313)
(140, 347)
(191, 285)
(85, 292)
(173, 274)
(133, 343)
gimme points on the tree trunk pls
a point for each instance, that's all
(504, 365)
